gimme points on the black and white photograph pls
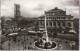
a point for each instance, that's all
(39, 25)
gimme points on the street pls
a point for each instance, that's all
(29, 43)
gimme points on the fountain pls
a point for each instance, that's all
(45, 42)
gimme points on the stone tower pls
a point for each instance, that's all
(16, 11)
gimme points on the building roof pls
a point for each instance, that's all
(56, 12)
(56, 9)
(56, 16)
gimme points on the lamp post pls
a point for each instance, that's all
(9, 40)
(24, 40)
(9, 43)
(18, 42)
(19, 31)
(1, 43)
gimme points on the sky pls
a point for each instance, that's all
(35, 8)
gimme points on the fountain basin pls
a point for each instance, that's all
(46, 45)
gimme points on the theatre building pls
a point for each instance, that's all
(56, 18)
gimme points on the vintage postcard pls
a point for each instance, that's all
(39, 25)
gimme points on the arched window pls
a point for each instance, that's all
(41, 24)
(46, 23)
(63, 24)
(50, 23)
(58, 23)
(54, 23)
(69, 24)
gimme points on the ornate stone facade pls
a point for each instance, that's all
(56, 18)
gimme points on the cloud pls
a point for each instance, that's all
(75, 13)
(72, 7)
(72, 3)
(40, 7)
(34, 8)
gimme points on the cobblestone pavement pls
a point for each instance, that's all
(29, 43)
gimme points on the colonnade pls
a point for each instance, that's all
(56, 24)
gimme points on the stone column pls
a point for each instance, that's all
(61, 24)
(39, 24)
(66, 24)
(42, 24)
(52, 24)
(72, 24)
(56, 24)
(48, 24)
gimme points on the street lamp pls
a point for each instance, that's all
(9, 43)
(1, 43)
(18, 42)
(9, 40)
(24, 47)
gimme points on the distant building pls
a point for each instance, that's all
(7, 25)
(56, 18)
(16, 11)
